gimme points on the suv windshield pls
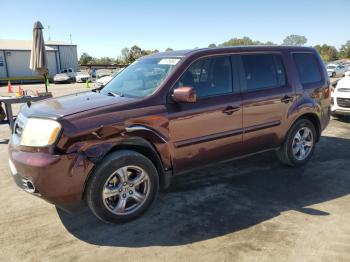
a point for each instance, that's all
(141, 78)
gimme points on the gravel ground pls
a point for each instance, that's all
(252, 209)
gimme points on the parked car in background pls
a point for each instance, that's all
(347, 66)
(66, 76)
(82, 77)
(103, 72)
(104, 80)
(335, 70)
(341, 97)
(167, 114)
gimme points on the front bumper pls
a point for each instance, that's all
(59, 179)
(340, 111)
(62, 80)
(340, 108)
(82, 79)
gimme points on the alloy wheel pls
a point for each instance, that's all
(303, 143)
(126, 190)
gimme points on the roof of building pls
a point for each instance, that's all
(6, 44)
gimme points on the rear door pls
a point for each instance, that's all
(210, 129)
(267, 97)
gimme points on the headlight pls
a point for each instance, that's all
(40, 132)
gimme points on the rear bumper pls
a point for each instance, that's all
(59, 179)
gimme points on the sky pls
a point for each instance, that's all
(104, 27)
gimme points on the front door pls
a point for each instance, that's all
(210, 129)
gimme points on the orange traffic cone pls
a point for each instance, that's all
(20, 90)
(9, 87)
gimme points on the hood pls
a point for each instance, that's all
(71, 104)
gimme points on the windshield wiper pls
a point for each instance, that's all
(115, 94)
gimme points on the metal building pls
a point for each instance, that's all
(15, 57)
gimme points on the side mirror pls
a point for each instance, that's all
(184, 94)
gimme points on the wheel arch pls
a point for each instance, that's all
(314, 119)
(141, 146)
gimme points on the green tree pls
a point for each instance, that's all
(344, 51)
(238, 41)
(244, 41)
(297, 40)
(134, 53)
(85, 58)
(212, 45)
(169, 49)
(327, 52)
(105, 60)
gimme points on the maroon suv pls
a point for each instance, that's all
(165, 114)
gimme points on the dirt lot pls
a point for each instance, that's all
(253, 209)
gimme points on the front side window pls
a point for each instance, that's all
(209, 76)
(142, 78)
(263, 71)
(307, 67)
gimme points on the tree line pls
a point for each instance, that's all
(129, 55)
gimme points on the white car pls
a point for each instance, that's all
(335, 70)
(103, 72)
(62, 78)
(101, 82)
(82, 77)
(66, 75)
(341, 97)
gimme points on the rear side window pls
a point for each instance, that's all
(209, 76)
(307, 67)
(263, 71)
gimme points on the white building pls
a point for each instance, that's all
(15, 57)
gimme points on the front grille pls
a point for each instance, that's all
(344, 90)
(343, 102)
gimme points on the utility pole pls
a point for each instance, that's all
(70, 36)
(48, 28)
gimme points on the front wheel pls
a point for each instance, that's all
(122, 187)
(299, 144)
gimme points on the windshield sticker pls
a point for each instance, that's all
(169, 61)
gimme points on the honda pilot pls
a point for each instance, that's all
(165, 114)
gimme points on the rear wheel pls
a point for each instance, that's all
(299, 144)
(123, 186)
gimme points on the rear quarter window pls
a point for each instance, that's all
(308, 69)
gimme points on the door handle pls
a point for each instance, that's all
(286, 99)
(230, 110)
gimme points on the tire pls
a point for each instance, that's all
(131, 166)
(286, 154)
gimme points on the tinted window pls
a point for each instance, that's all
(307, 68)
(263, 71)
(209, 77)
